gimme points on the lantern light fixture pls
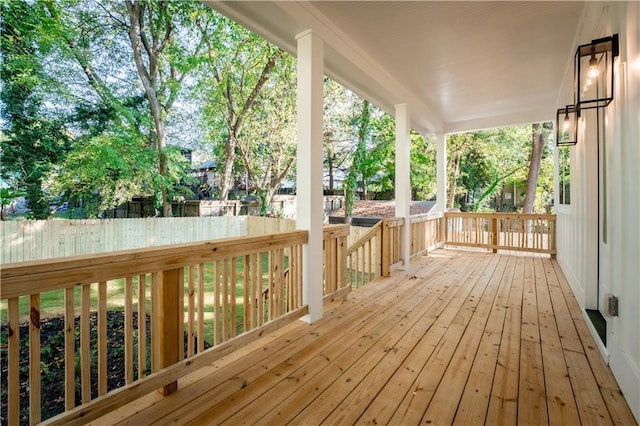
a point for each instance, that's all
(567, 125)
(594, 72)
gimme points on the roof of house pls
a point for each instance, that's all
(382, 209)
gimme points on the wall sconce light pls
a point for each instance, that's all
(594, 72)
(567, 125)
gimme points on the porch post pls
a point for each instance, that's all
(309, 173)
(403, 182)
(441, 173)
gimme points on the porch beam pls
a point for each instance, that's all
(402, 180)
(441, 173)
(309, 170)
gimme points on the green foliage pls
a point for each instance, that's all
(115, 168)
(33, 141)
(481, 163)
(247, 92)
(423, 168)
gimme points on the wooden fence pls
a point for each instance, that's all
(501, 231)
(48, 239)
(194, 296)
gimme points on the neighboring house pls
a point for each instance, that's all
(510, 199)
(208, 179)
(367, 213)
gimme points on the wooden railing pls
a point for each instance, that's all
(391, 244)
(174, 303)
(498, 231)
(427, 233)
(364, 257)
(379, 250)
(335, 261)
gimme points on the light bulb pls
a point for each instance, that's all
(566, 123)
(593, 67)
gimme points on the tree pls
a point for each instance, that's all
(362, 124)
(267, 145)
(237, 67)
(481, 162)
(423, 168)
(6, 198)
(338, 136)
(539, 134)
(457, 147)
(162, 65)
(33, 141)
(101, 97)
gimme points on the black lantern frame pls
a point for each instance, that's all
(594, 72)
(567, 125)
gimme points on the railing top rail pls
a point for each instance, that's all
(425, 216)
(54, 274)
(502, 215)
(335, 231)
(393, 222)
(364, 238)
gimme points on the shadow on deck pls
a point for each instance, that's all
(463, 337)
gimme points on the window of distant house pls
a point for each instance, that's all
(564, 172)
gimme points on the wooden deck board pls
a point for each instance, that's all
(462, 337)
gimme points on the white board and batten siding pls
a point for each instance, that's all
(610, 237)
(47, 239)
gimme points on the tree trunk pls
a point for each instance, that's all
(455, 168)
(330, 159)
(538, 133)
(148, 79)
(226, 180)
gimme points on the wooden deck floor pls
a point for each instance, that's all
(463, 337)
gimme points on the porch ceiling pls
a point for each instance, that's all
(459, 65)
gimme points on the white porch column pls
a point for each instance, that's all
(403, 182)
(309, 174)
(441, 173)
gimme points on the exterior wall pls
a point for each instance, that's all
(580, 243)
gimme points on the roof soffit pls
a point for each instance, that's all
(459, 65)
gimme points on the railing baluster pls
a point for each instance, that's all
(233, 296)
(69, 349)
(34, 359)
(225, 299)
(85, 344)
(142, 326)
(155, 282)
(102, 338)
(271, 285)
(191, 312)
(128, 330)
(217, 329)
(200, 307)
(248, 292)
(13, 360)
(262, 275)
(370, 258)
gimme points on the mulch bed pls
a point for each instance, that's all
(52, 362)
